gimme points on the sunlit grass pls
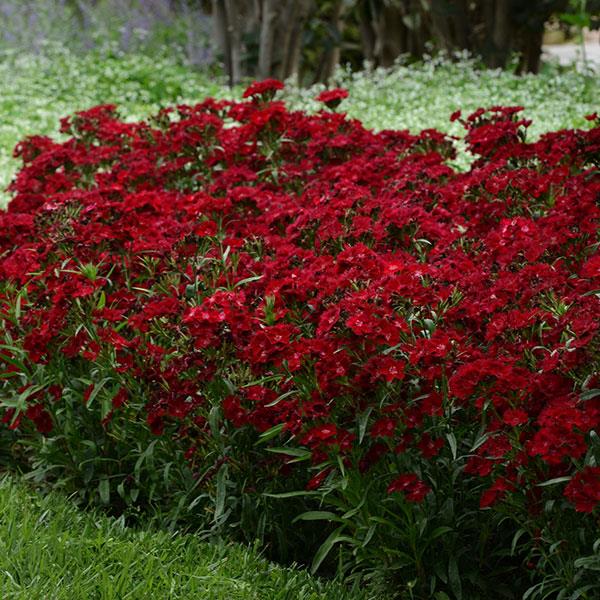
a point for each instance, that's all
(51, 551)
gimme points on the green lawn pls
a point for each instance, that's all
(38, 90)
(50, 551)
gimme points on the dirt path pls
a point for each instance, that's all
(571, 53)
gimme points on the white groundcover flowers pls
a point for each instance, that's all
(38, 90)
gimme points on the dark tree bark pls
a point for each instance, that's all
(330, 56)
(368, 35)
(440, 12)
(500, 34)
(222, 36)
(267, 37)
(393, 35)
(292, 48)
(231, 19)
(492, 29)
(460, 22)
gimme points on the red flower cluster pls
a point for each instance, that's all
(267, 88)
(332, 98)
(346, 289)
(412, 487)
(584, 489)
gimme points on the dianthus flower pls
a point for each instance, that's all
(413, 488)
(266, 88)
(332, 98)
(583, 490)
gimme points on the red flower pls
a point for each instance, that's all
(495, 492)
(120, 398)
(430, 447)
(332, 98)
(515, 416)
(583, 491)
(411, 486)
(384, 427)
(316, 481)
(320, 433)
(266, 88)
(41, 418)
(233, 411)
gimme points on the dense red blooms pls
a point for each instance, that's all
(584, 489)
(332, 98)
(495, 492)
(267, 87)
(239, 264)
(411, 486)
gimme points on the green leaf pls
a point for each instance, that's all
(145, 455)
(97, 389)
(221, 491)
(280, 398)
(354, 511)
(453, 445)
(104, 490)
(515, 540)
(481, 440)
(591, 293)
(15, 363)
(20, 403)
(589, 394)
(298, 452)
(578, 593)
(101, 301)
(214, 421)
(295, 494)
(334, 538)
(363, 420)
(18, 307)
(248, 280)
(270, 433)
(454, 577)
(436, 533)
(318, 515)
(554, 481)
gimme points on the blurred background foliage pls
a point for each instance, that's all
(307, 39)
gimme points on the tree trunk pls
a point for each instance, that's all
(460, 22)
(441, 24)
(368, 36)
(291, 58)
(531, 53)
(267, 38)
(331, 56)
(500, 34)
(222, 36)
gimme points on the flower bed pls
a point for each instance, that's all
(292, 297)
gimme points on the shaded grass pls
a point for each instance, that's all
(51, 551)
